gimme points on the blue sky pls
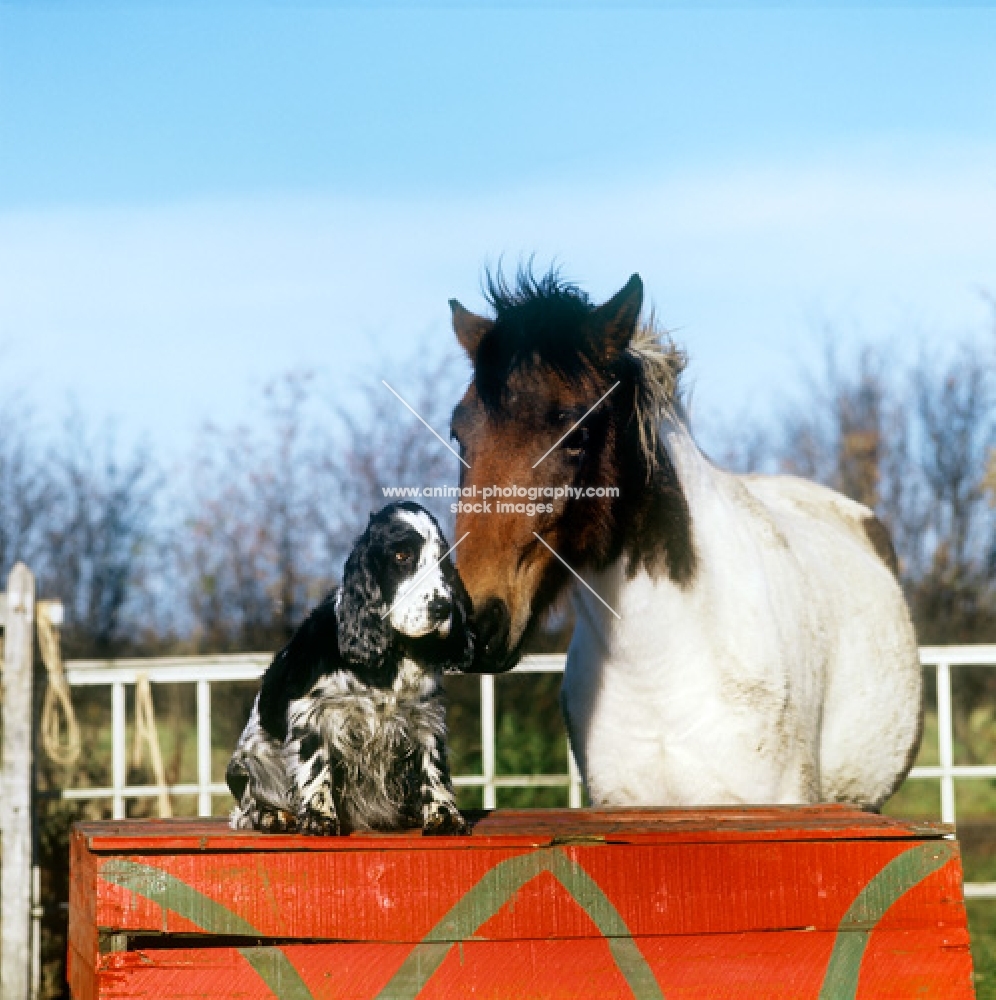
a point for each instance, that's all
(194, 199)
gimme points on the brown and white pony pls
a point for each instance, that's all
(738, 638)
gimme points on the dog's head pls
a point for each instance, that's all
(400, 589)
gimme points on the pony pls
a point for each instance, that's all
(738, 638)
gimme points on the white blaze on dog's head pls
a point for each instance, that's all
(423, 602)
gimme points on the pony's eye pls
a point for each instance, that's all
(576, 441)
(403, 556)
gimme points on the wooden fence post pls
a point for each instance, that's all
(15, 787)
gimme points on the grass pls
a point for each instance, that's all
(982, 928)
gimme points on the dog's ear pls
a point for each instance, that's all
(461, 640)
(311, 652)
(364, 631)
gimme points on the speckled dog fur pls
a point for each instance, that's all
(348, 731)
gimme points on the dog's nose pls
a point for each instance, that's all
(440, 609)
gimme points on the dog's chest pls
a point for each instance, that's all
(373, 729)
(377, 738)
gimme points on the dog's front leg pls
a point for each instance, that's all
(258, 780)
(440, 814)
(317, 813)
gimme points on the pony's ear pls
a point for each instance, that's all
(614, 322)
(364, 633)
(469, 328)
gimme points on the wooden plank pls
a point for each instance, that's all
(528, 828)
(789, 966)
(83, 935)
(516, 892)
(15, 787)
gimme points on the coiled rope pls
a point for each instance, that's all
(146, 732)
(60, 732)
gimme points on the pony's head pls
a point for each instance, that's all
(565, 394)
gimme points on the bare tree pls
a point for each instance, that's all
(378, 443)
(954, 410)
(98, 539)
(271, 513)
(244, 545)
(745, 445)
(26, 489)
(835, 435)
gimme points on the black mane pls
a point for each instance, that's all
(537, 320)
(548, 291)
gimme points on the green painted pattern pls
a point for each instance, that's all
(492, 892)
(497, 887)
(170, 893)
(900, 875)
(277, 971)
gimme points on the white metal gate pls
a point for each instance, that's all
(205, 670)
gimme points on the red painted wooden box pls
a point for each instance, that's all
(817, 902)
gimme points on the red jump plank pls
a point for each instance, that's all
(822, 902)
(531, 827)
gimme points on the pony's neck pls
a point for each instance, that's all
(656, 522)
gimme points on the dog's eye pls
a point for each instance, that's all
(403, 556)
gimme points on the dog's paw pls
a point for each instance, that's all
(444, 820)
(318, 815)
(317, 824)
(241, 819)
(277, 821)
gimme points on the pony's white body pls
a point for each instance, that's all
(785, 672)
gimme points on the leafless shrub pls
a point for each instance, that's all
(26, 489)
(243, 546)
(271, 512)
(835, 435)
(954, 407)
(377, 443)
(97, 539)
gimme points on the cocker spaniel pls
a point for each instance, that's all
(348, 731)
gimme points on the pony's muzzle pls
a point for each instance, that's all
(491, 625)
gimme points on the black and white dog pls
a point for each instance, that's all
(348, 730)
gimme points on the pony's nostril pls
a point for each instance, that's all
(492, 628)
(440, 609)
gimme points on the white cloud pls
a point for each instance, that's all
(164, 315)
